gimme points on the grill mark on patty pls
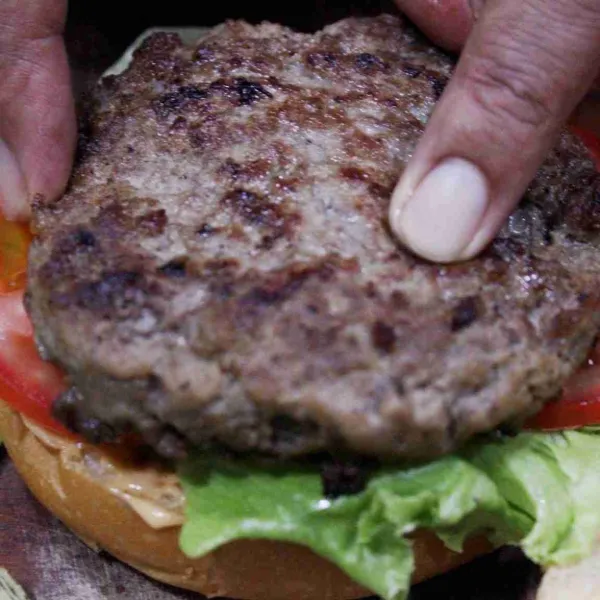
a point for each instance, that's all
(182, 99)
(120, 217)
(438, 84)
(275, 220)
(154, 222)
(266, 168)
(464, 314)
(250, 92)
(244, 92)
(370, 63)
(249, 171)
(321, 60)
(280, 287)
(176, 268)
(84, 237)
(384, 337)
(206, 230)
(355, 174)
(254, 209)
(111, 292)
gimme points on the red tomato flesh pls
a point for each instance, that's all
(27, 383)
(30, 384)
(579, 404)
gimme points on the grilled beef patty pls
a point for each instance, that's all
(220, 270)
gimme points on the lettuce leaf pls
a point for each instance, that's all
(538, 490)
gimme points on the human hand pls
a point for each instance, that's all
(37, 117)
(525, 67)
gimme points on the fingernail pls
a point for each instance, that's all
(14, 203)
(439, 220)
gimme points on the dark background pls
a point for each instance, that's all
(48, 561)
(99, 31)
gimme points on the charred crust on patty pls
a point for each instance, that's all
(344, 477)
(465, 313)
(221, 263)
(383, 336)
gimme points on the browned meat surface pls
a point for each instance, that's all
(221, 271)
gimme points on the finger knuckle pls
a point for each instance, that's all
(510, 89)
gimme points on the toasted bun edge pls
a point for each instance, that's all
(245, 569)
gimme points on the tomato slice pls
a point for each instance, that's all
(27, 383)
(578, 405)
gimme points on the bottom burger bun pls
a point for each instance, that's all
(580, 581)
(59, 478)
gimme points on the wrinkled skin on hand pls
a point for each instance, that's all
(37, 121)
(525, 66)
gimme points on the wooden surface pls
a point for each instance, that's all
(52, 564)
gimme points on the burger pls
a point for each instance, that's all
(220, 367)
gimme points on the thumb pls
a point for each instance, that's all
(526, 66)
(37, 118)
